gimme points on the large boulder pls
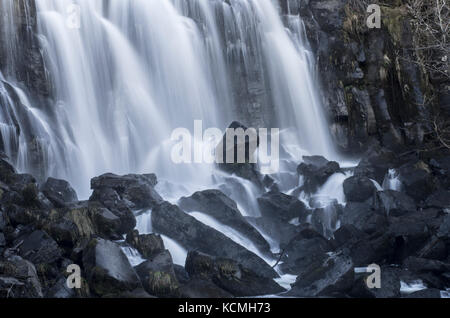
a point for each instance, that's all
(230, 275)
(171, 221)
(376, 163)
(316, 170)
(394, 203)
(358, 189)
(158, 276)
(280, 231)
(225, 210)
(59, 192)
(148, 245)
(277, 205)
(108, 269)
(307, 249)
(418, 180)
(332, 277)
(38, 247)
(19, 279)
(136, 189)
(364, 217)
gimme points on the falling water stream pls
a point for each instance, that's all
(137, 69)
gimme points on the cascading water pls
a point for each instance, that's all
(135, 70)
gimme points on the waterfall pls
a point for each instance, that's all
(137, 69)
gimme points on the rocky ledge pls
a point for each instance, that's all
(404, 229)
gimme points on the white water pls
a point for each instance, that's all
(137, 69)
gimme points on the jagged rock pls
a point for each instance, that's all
(439, 199)
(417, 180)
(332, 276)
(19, 279)
(326, 219)
(108, 270)
(359, 189)
(316, 170)
(59, 192)
(410, 235)
(137, 189)
(199, 288)
(7, 171)
(171, 221)
(375, 164)
(281, 231)
(247, 170)
(307, 249)
(106, 223)
(158, 276)
(39, 247)
(225, 210)
(278, 205)
(363, 216)
(394, 203)
(149, 245)
(230, 275)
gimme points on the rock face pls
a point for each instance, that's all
(225, 210)
(171, 221)
(230, 276)
(108, 269)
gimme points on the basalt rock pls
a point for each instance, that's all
(171, 221)
(149, 245)
(230, 275)
(59, 192)
(358, 189)
(316, 170)
(277, 205)
(225, 210)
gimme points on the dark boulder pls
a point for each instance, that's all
(230, 275)
(278, 205)
(439, 199)
(59, 192)
(106, 223)
(120, 208)
(19, 279)
(158, 275)
(137, 189)
(332, 277)
(376, 163)
(359, 189)
(389, 281)
(418, 180)
(410, 235)
(316, 170)
(279, 230)
(149, 245)
(326, 219)
(307, 249)
(171, 221)
(394, 203)
(39, 247)
(363, 216)
(7, 171)
(225, 210)
(108, 269)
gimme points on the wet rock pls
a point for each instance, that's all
(19, 279)
(137, 189)
(363, 216)
(247, 170)
(39, 247)
(149, 245)
(108, 269)
(421, 265)
(316, 170)
(171, 221)
(281, 206)
(439, 199)
(417, 180)
(334, 276)
(225, 210)
(7, 171)
(158, 276)
(59, 192)
(181, 274)
(359, 189)
(376, 163)
(306, 250)
(435, 248)
(199, 288)
(394, 203)
(120, 208)
(410, 235)
(280, 231)
(230, 275)
(2, 240)
(106, 223)
(326, 219)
